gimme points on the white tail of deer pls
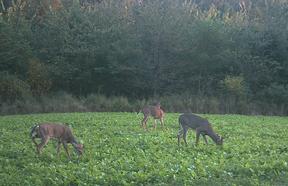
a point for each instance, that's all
(155, 111)
(60, 132)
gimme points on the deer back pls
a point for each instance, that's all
(193, 121)
(59, 131)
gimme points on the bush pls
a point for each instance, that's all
(12, 88)
(97, 102)
(38, 78)
(121, 104)
(63, 102)
(234, 85)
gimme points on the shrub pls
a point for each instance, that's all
(97, 102)
(38, 78)
(234, 85)
(12, 88)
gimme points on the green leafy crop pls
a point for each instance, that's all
(119, 152)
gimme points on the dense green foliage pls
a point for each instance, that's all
(211, 49)
(119, 152)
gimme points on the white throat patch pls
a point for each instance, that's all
(34, 133)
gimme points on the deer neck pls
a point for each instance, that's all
(74, 142)
(75, 146)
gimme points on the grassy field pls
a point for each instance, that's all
(119, 152)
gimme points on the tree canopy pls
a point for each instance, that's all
(217, 48)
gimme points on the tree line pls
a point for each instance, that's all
(229, 52)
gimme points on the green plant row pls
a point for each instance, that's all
(119, 152)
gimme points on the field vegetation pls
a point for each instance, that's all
(119, 152)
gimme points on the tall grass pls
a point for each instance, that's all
(99, 103)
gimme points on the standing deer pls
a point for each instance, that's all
(60, 132)
(155, 111)
(201, 125)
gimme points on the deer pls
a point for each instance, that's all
(200, 125)
(61, 132)
(155, 111)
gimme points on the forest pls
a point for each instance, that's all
(204, 56)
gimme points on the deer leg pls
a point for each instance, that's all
(162, 122)
(180, 133)
(184, 135)
(34, 141)
(154, 124)
(205, 139)
(144, 122)
(197, 136)
(66, 149)
(58, 147)
(44, 142)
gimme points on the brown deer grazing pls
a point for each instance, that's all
(60, 132)
(201, 125)
(155, 111)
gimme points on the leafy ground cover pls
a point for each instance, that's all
(119, 152)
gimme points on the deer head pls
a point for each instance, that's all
(79, 148)
(219, 140)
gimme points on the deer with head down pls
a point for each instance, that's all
(201, 125)
(62, 133)
(155, 111)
